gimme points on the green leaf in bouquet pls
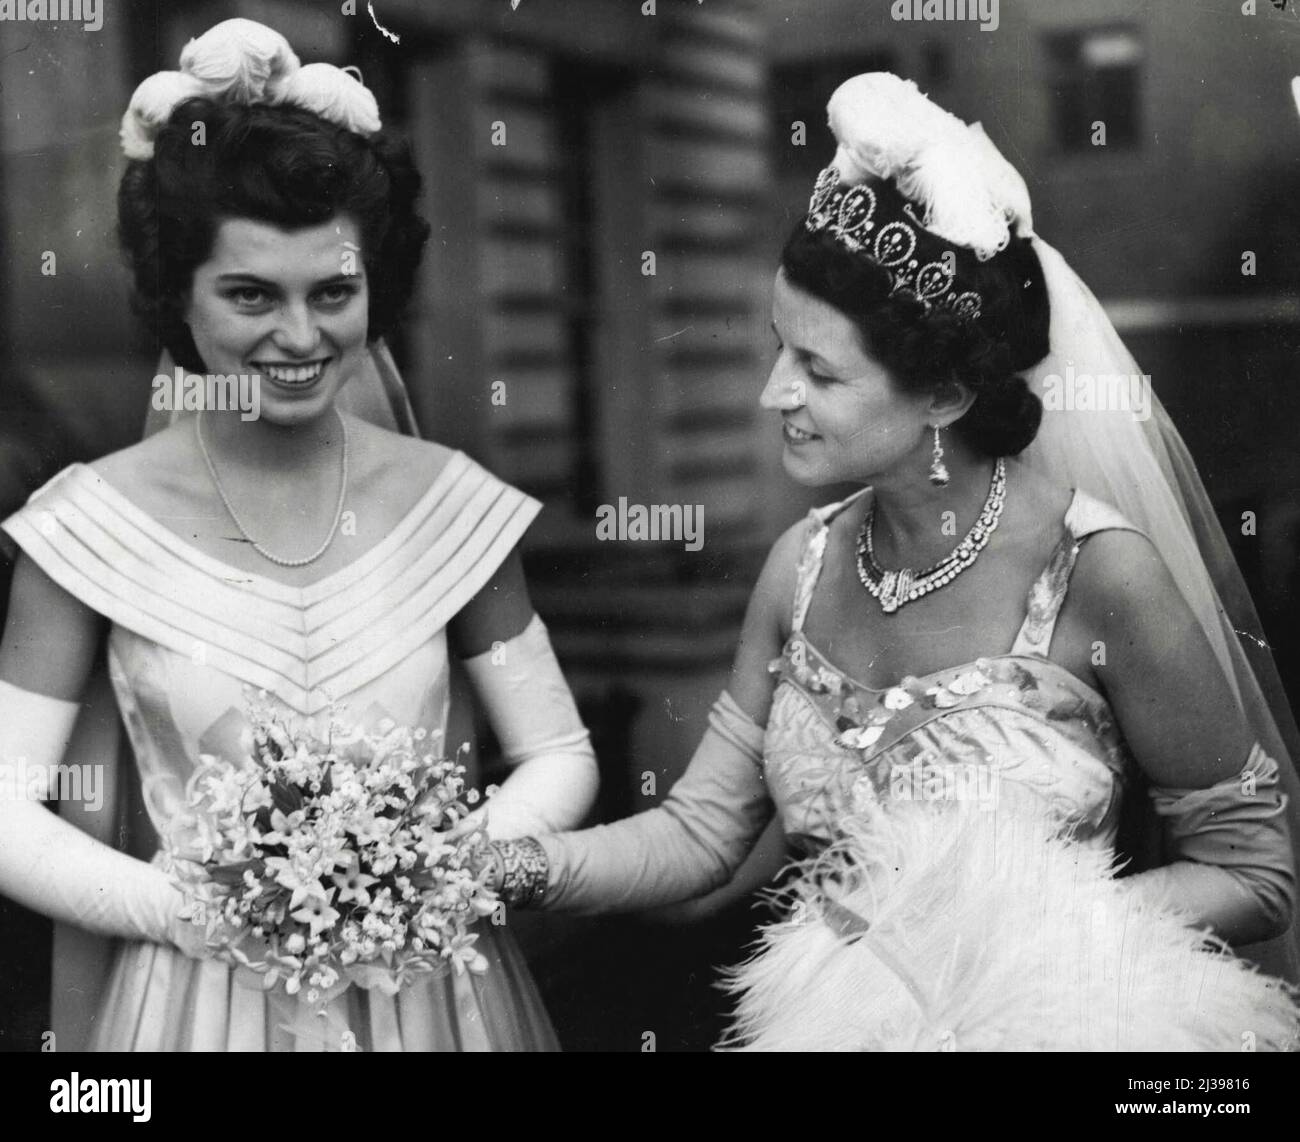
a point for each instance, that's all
(286, 798)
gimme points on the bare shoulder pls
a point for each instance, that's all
(767, 624)
(391, 462)
(50, 636)
(783, 558)
(843, 529)
(1120, 577)
(773, 597)
(1036, 507)
(159, 466)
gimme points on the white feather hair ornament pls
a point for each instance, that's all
(240, 59)
(151, 107)
(335, 94)
(967, 192)
(246, 62)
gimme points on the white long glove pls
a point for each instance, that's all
(685, 847)
(53, 867)
(554, 776)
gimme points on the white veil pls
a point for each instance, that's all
(1140, 465)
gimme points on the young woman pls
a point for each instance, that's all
(950, 685)
(272, 230)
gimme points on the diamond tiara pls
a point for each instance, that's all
(921, 265)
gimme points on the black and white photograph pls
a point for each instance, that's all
(650, 526)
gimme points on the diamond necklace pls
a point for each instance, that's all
(262, 551)
(892, 589)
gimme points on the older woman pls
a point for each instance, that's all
(947, 683)
(303, 552)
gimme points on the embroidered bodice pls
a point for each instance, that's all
(1006, 729)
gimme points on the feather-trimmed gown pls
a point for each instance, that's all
(958, 892)
(187, 634)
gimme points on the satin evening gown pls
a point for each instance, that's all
(187, 634)
(958, 891)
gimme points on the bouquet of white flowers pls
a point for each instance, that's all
(322, 862)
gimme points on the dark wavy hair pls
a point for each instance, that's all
(923, 352)
(276, 164)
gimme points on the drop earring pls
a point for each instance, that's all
(938, 470)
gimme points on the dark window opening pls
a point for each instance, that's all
(1096, 78)
(800, 93)
(936, 64)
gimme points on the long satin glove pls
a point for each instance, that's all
(554, 777)
(1234, 870)
(52, 867)
(687, 846)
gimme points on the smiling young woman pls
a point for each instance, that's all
(305, 553)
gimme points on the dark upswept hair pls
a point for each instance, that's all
(276, 164)
(922, 352)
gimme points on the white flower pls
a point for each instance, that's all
(943, 697)
(968, 683)
(240, 58)
(304, 886)
(352, 883)
(861, 737)
(315, 879)
(317, 914)
(897, 699)
(463, 955)
(483, 905)
(863, 794)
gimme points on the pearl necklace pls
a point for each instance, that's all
(262, 551)
(893, 589)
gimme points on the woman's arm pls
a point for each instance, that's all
(1211, 782)
(46, 864)
(767, 857)
(507, 654)
(696, 839)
